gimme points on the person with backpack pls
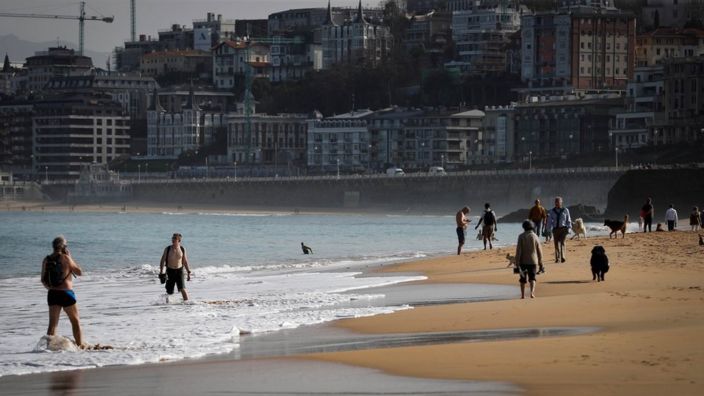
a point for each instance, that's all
(177, 269)
(489, 220)
(58, 270)
(560, 222)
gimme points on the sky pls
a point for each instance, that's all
(152, 16)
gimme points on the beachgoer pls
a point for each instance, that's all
(647, 213)
(671, 218)
(659, 228)
(176, 262)
(695, 220)
(640, 220)
(58, 270)
(306, 249)
(560, 223)
(489, 220)
(529, 257)
(462, 221)
(538, 215)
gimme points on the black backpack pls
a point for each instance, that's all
(489, 217)
(53, 275)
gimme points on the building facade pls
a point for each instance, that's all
(277, 142)
(56, 62)
(578, 47)
(562, 126)
(342, 140)
(354, 42)
(663, 43)
(170, 134)
(72, 132)
(482, 32)
(186, 64)
(230, 58)
(633, 127)
(499, 133)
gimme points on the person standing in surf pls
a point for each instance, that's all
(58, 270)
(177, 269)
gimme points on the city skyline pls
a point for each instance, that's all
(152, 16)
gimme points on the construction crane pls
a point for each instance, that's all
(81, 20)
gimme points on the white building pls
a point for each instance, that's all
(171, 134)
(482, 32)
(291, 60)
(230, 59)
(342, 140)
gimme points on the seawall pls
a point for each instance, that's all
(413, 193)
(683, 188)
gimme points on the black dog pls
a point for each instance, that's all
(616, 225)
(600, 263)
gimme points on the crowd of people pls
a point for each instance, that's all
(555, 224)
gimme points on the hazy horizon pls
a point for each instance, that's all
(152, 16)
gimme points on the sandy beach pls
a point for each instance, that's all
(648, 311)
(642, 332)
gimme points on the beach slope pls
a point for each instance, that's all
(648, 314)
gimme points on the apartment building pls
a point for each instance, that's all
(341, 140)
(663, 43)
(481, 33)
(578, 47)
(70, 132)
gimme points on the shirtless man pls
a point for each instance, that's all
(61, 293)
(176, 262)
(462, 221)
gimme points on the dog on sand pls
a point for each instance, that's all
(616, 225)
(579, 229)
(511, 260)
(701, 240)
(599, 263)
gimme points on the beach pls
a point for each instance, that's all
(634, 334)
(648, 313)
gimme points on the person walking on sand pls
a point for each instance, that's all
(538, 215)
(695, 219)
(177, 270)
(489, 220)
(306, 249)
(647, 214)
(671, 218)
(58, 270)
(529, 257)
(560, 223)
(462, 221)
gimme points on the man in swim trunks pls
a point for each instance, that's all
(177, 269)
(62, 295)
(462, 221)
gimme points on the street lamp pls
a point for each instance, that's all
(139, 173)
(235, 170)
(530, 160)
(616, 151)
(146, 170)
(442, 160)
(369, 158)
(206, 167)
(338, 169)
(46, 174)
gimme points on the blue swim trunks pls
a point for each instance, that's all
(65, 298)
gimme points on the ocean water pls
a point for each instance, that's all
(249, 275)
